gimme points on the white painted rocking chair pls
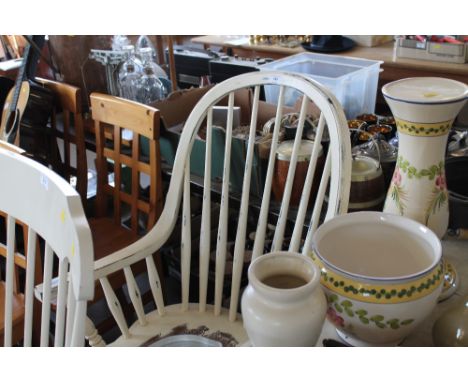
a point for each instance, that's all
(217, 320)
(52, 210)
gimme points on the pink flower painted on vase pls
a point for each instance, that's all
(441, 183)
(396, 180)
(335, 318)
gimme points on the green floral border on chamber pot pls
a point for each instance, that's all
(346, 307)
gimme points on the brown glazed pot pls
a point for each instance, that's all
(367, 191)
(283, 158)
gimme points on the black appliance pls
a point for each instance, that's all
(226, 67)
(191, 64)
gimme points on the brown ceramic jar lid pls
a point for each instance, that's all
(285, 150)
(365, 168)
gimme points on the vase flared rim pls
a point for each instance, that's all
(459, 93)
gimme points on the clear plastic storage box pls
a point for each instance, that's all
(352, 80)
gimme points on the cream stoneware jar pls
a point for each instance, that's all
(382, 275)
(283, 305)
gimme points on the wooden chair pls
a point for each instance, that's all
(52, 210)
(68, 113)
(113, 115)
(222, 320)
(127, 146)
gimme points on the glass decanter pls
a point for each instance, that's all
(145, 42)
(149, 86)
(130, 73)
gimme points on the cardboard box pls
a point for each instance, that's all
(175, 111)
(370, 40)
(432, 51)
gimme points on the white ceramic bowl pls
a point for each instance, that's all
(382, 275)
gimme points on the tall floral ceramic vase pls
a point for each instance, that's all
(424, 109)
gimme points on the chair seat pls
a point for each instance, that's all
(175, 321)
(18, 313)
(109, 237)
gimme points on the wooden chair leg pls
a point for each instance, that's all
(92, 335)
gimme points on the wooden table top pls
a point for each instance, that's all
(384, 52)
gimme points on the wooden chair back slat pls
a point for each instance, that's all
(239, 247)
(221, 245)
(314, 220)
(259, 243)
(46, 297)
(114, 306)
(31, 280)
(117, 175)
(155, 285)
(9, 289)
(71, 310)
(205, 230)
(61, 303)
(284, 209)
(186, 242)
(135, 184)
(305, 197)
(135, 295)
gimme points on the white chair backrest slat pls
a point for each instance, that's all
(186, 244)
(10, 269)
(61, 303)
(205, 230)
(221, 245)
(314, 219)
(71, 310)
(47, 293)
(155, 285)
(284, 209)
(135, 295)
(29, 287)
(260, 233)
(114, 306)
(305, 197)
(239, 247)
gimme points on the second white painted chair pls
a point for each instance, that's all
(52, 210)
(221, 320)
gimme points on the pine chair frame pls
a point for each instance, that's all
(143, 121)
(68, 99)
(52, 210)
(337, 170)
